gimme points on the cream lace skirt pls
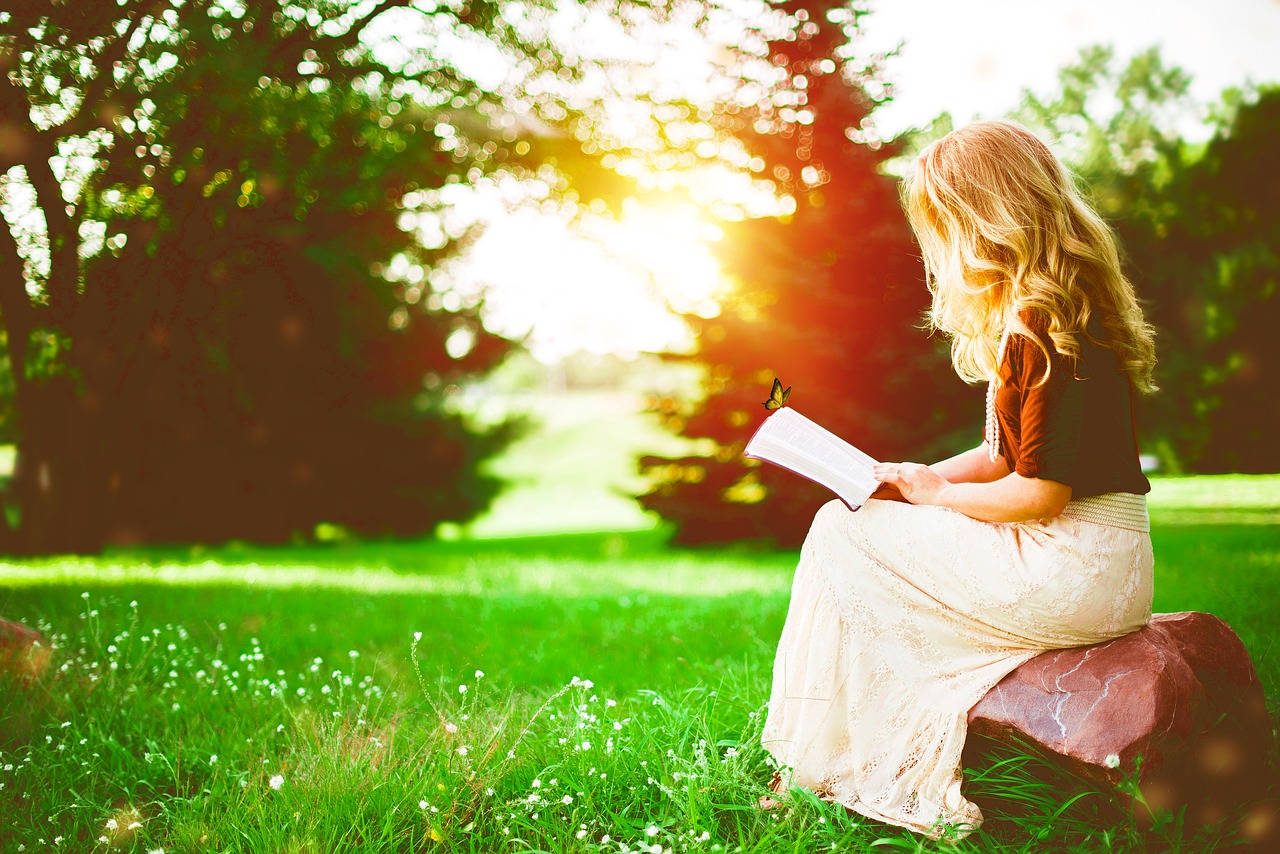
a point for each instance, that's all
(903, 617)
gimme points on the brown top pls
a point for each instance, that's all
(1077, 428)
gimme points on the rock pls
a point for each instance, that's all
(22, 651)
(1180, 693)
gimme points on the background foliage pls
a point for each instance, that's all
(1199, 224)
(221, 319)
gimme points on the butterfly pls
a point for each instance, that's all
(777, 397)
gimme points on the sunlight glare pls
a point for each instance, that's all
(669, 244)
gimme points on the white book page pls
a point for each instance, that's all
(790, 440)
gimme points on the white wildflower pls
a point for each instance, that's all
(1112, 760)
(276, 782)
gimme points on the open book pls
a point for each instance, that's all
(788, 439)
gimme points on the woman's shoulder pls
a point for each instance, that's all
(1035, 320)
(1032, 351)
(1031, 329)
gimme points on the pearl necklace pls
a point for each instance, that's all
(992, 430)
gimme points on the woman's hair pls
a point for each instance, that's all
(1007, 238)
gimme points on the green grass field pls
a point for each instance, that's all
(582, 692)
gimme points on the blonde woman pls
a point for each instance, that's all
(903, 615)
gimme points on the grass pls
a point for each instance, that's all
(594, 692)
(577, 472)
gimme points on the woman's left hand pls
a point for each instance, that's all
(918, 483)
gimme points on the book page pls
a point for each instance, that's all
(790, 440)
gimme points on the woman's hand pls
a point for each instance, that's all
(918, 483)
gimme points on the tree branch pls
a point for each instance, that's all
(97, 88)
(17, 313)
(64, 238)
(18, 134)
(292, 44)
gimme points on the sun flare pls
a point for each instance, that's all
(595, 282)
(671, 245)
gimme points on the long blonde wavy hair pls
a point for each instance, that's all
(1006, 235)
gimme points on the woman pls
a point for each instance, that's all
(903, 615)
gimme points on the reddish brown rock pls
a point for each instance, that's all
(1180, 693)
(22, 650)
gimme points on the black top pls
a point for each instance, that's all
(1077, 428)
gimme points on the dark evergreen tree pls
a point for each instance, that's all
(830, 299)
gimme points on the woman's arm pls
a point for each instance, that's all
(972, 466)
(1012, 498)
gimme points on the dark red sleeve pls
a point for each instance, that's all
(1050, 413)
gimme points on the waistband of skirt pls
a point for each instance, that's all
(1117, 509)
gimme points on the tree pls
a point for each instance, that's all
(196, 194)
(1198, 225)
(1206, 257)
(829, 298)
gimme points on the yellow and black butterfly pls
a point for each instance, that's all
(777, 397)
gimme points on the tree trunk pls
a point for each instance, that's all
(58, 474)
